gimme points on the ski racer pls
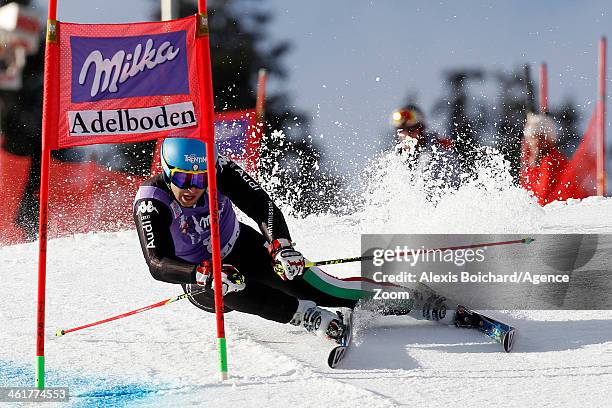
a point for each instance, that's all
(261, 271)
(425, 151)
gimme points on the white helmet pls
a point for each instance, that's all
(540, 124)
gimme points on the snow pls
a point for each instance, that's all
(167, 356)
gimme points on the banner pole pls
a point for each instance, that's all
(601, 120)
(207, 102)
(543, 88)
(42, 266)
(169, 10)
(43, 214)
(52, 13)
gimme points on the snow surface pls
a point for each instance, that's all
(167, 356)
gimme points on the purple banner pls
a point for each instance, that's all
(231, 136)
(124, 67)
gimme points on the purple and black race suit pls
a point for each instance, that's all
(175, 239)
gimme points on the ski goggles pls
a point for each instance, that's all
(184, 179)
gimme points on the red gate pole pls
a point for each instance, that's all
(207, 102)
(543, 88)
(601, 120)
(260, 104)
(47, 124)
(260, 113)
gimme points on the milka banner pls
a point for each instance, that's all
(127, 83)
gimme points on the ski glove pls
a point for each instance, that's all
(288, 263)
(231, 279)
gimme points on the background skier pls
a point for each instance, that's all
(425, 151)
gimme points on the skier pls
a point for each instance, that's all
(425, 151)
(542, 164)
(261, 273)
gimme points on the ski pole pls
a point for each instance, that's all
(527, 240)
(61, 332)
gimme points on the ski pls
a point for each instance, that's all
(498, 331)
(337, 353)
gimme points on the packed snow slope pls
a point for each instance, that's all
(167, 356)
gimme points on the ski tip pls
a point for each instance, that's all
(335, 356)
(508, 340)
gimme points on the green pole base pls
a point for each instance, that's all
(40, 372)
(222, 347)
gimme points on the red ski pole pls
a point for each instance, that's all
(61, 332)
(527, 240)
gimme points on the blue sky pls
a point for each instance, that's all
(353, 62)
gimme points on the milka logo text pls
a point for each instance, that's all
(110, 73)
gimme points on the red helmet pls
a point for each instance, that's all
(409, 117)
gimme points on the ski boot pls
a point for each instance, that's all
(319, 321)
(466, 318)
